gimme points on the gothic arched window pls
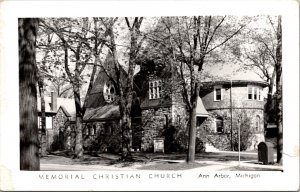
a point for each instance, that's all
(109, 92)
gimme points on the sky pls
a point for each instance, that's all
(225, 69)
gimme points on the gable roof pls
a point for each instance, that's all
(95, 96)
(65, 111)
(95, 104)
(200, 109)
(67, 105)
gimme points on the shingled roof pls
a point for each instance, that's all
(107, 112)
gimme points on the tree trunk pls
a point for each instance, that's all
(78, 139)
(192, 136)
(269, 99)
(79, 116)
(29, 143)
(43, 142)
(125, 121)
(278, 68)
(192, 126)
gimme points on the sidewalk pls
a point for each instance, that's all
(212, 161)
(218, 165)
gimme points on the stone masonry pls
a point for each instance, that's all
(242, 108)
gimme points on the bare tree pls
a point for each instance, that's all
(29, 143)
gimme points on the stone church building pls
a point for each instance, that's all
(158, 111)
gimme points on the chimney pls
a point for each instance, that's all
(53, 101)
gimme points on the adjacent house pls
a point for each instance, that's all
(60, 117)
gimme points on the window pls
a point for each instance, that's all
(218, 93)
(178, 119)
(109, 92)
(39, 122)
(48, 122)
(93, 130)
(155, 89)
(257, 123)
(219, 125)
(250, 93)
(107, 130)
(254, 93)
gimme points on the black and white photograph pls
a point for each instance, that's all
(191, 99)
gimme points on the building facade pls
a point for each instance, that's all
(233, 105)
(158, 111)
(60, 121)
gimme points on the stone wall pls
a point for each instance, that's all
(243, 108)
(247, 120)
(102, 136)
(56, 137)
(179, 113)
(154, 122)
(59, 120)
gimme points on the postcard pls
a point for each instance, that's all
(140, 95)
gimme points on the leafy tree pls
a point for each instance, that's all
(42, 73)
(124, 91)
(263, 54)
(259, 55)
(78, 41)
(189, 41)
(99, 39)
(246, 134)
(72, 34)
(29, 143)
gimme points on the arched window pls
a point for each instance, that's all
(219, 125)
(257, 123)
(109, 92)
